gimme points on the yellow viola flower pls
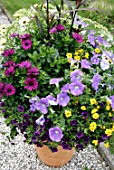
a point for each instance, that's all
(97, 50)
(108, 132)
(95, 116)
(94, 111)
(93, 101)
(98, 107)
(110, 114)
(81, 51)
(69, 55)
(108, 107)
(95, 142)
(86, 55)
(68, 113)
(106, 144)
(83, 108)
(92, 126)
(77, 57)
(76, 53)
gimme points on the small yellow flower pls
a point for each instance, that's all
(68, 113)
(76, 53)
(97, 50)
(77, 57)
(98, 107)
(106, 144)
(69, 55)
(110, 61)
(95, 116)
(92, 126)
(94, 111)
(110, 114)
(95, 142)
(112, 128)
(93, 101)
(108, 132)
(108, 107)
(83, 108)
(108, 102)
(86, 55)
(81, 51)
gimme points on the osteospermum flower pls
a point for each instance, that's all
(9, 52)
(32, 71)
(9, 90)
(9, 71)
(55, 134)
(60, 27)
(63, 99)
(24, 36)
(24, 21)
(42, 105)
(9, 63)
(26, 44)
(25, 64)
(77, 37)
(76, 88)
(31, 84)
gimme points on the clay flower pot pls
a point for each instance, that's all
(56, 159)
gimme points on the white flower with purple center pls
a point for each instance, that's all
(96, 81)
(56, 81)
(75, 75)
(51, 100)
(104, 64)
(63, 99)
(95, 60)
(55, 134)
(40, 120)
(76, 88)
(42, 105)
(85, 64)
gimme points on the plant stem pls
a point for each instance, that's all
(47, 19)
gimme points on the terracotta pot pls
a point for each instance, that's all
(56, 159)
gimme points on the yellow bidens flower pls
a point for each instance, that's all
(83, 108)
(106, 144)
(95, 116)
(68, 113)
(86, 55)
(93, 101)
(69, 55)
(92, 126)
(77, 57)
(94, 111)
(108, 132)
(95, 142)
(97, 50)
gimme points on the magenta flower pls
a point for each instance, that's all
(14, 35)
(32, 71)
(9, 71)
(9, 52)
(31, 84)
(60, 27)
(42, 105)
(25, 36)
(85, 64)
(1, 89)
(78, 37)
(26, 44)
(95, 60)
(63, 99)
(76, 88)
(9, 63)
(76, 74)
(55, 134)
(9, 90)
(25, 64)
(53, 30)
(21, 108)
(95, 81)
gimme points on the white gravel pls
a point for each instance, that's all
(16, 155)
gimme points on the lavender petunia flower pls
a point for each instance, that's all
(112, 102)
(104, 64)
(85, 64)
(63, 99)
(65, 88)
(77, 88)
(91, 39)
(21, 108)
(100, 39)
(32, 108)
(34, 99)
(95, 60)
(51, 100)
(42, 105)
(95, 81)
(40, 120)
(56, 81)
(75, 75)
(55, 134)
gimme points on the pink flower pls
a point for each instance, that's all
(9, 63)
(32, 71)
(9, 52)
(9, 90)
(9, 71)
(31, 84)
(77, 37)
(26, 44)
(60, 27)
(53, 30)
(25, 64)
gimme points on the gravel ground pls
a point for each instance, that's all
(16, 155)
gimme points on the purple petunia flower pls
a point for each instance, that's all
(95, 81)
(53, 30)
(84, 115)
(73, 122)
(2, 104)
(80, 146)
(77, 88)
(75, 75)
(85, 64)
(104, 136)
(26, 44)
(55, 134)
(104, 64)
(14, 35)
(26, 116)
(78, 37)
(21, 108)
(9, 71)
(42, 105)
(51, 100)
(31, 84)
(25, 64)
(112, 102)
(63, 99)
(91, 39)
(56, 81)
(25, 36)
(65, 88)
(86, 139)
(113, 118)
(79, 134)
(32, 71)
(9, 90)
(53, 149)
(9, 52)
(32, 108)
(60, 27)
(40, 120)
(95, 60)
(65, 146)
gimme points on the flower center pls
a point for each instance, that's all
(43, 105)
(76, 87)
(56, 132)
(61, 98)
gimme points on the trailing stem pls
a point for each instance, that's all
(47, 19)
